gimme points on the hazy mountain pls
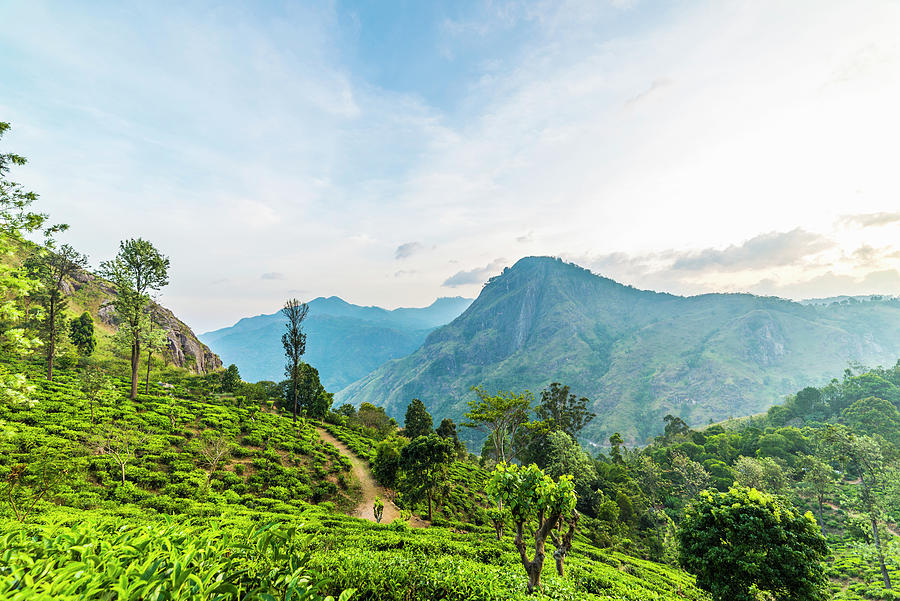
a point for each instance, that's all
(637, 354)
(344, 341)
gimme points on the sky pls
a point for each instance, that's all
(394, 152)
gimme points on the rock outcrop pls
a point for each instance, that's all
(185, 350)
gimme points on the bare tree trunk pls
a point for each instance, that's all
(147, 388)
(565, 545)
(884, 573)
(821, 514)
(51, 347)
(868, 495)
(123, 472)
(135, 363)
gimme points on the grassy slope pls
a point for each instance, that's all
(273, 475)
(270, 464)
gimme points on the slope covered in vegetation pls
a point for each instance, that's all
(636, 354)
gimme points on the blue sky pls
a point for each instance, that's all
(391, 153)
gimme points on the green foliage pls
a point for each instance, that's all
(500, 416)
(81, 332)
(425, 462)
(137, 270)
(163, 560)
(231, 378)
(742, 541)
(386, 465)
(294, 343)
(563, 411)
(418, 421)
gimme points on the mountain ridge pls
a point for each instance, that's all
(637, 354)
(344, 341)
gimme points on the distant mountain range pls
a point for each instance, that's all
(344, 341)
(636, 354)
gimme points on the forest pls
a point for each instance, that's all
(125, 476)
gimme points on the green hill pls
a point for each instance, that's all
(636, 354)
(343, 341)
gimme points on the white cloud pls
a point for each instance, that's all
(644, 140)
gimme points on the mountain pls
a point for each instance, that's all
(636, 354)
(343, 341)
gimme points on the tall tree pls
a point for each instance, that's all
(418, 421)
(500, 416)
(425, 462)
(16, 220)
(81, 333)
(294, 343)
(52, 268)
(311, 394)
(818, 478)
(231, 378)
(864, 455)
(447, 430)
(563, 410)
(137, 270)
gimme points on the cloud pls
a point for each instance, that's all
(272, 275)
(885, 281)
(408, 249)
(764, 250)
(655, 88)
(870, 219)
(525, 238)
(479, 275)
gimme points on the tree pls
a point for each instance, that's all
(378, 509)
(156, 340)
(97, 387)
(213, 449)
(564, 411)
(231, 379)
(616, 444)
(864, 456)
(52, 269)
(425, 461)
(119, 443)
(818, 478)
(691, 476)
(386, 465)
(418, 421)
(81, 333)
(311, 395)
(447, 430)
(499, 416)
(874, 416)
(744, 539)
(16, 220)
(294, 343)
(532, 498)
(136, 270)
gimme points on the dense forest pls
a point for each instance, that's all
(127, 476)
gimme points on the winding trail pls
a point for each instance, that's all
(370, 488)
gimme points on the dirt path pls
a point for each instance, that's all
(370, 488)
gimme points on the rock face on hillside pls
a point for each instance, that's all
(636, 354)
(185, 350)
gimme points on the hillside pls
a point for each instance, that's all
(344, 341)
(88, 292)
(636, 354)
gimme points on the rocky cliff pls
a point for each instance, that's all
(185, 350)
